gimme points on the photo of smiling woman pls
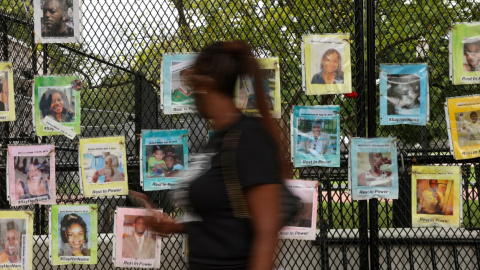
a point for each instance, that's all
(330, 68)
(55, 103)
(73, 236)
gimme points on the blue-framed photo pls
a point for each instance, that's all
(176, 94)
(316, 136)
(404, 94)
(164, 158)
(373, 167)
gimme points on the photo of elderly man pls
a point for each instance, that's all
(56, 21)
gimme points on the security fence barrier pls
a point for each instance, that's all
(119, 60)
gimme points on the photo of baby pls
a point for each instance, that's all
(103, 168)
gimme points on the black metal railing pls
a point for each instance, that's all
(120, 62)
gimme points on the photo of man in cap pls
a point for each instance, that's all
(174, 168)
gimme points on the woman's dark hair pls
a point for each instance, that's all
(46, 101)
(68, 221)
(224, 62)
(339, 60)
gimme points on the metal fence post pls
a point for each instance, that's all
(372, 125)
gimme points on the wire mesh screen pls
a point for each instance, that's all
(119, 61)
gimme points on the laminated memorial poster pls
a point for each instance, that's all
(31, 175)
(7, 99)
(404, 94)
(164, 158)
(56, 97)
(373, 168)
(57, 21)
(326, 64)
(436, 196)
(135, 244)
(465, 53)
(103, 166)
(304, 224)
(176, 94)
(73, 234)
(464, 128)
(16, 236)
(245, 93)
(315, 136)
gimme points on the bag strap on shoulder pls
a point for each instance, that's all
(228, 162)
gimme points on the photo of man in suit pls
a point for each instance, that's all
(138, 245)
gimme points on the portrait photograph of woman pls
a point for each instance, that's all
(55, 102)
(74, 234)
(327, 67)
(331, 70)
(32, 174)
(7, 101)
(57, 97)
(4, 106)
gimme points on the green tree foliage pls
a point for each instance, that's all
(273, 28)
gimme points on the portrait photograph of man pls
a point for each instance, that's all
(464, 53)
(433, 198)
(11, 231)
(468, 128)
(318, 136)
(403, 94)
(471, 53)
(138, 241)
(377, 172)
(436, 196)
(57, 20)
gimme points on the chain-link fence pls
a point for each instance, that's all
(120, 62)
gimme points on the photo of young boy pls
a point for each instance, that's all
(164, 161)
(164, 157)
(156, 164)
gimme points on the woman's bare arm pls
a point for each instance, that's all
(264, 205)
